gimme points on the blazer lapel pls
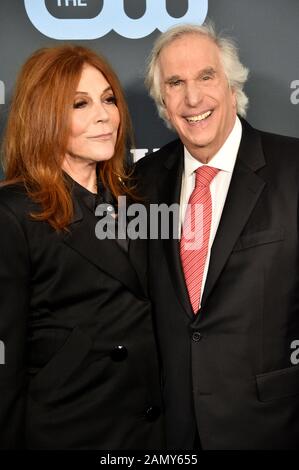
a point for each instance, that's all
(244, 191)
(138, 250)
(169, 193)
(106, 254)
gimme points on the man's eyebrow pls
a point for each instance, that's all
(173, 78)
(207, 70)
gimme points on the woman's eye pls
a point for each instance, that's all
(79, 104)
(110, 99)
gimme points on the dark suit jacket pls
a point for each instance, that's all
(228, 370)
(81, 368)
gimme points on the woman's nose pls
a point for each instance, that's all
(101, 113)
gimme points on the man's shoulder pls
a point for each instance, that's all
(278, 140)
(277, 149)
(280, 148)
(150, 171)
(153, 162)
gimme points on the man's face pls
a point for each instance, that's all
(198, 101)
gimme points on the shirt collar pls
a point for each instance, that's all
(226, 156)
(89, 199)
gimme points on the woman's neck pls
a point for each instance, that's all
(82, 172)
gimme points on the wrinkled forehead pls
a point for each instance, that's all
(190, 51)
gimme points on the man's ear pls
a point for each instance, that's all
(234, 98)
(165, 109)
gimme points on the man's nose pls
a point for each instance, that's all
(193, 94)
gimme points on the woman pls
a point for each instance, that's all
(80, 367)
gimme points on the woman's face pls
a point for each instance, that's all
(94, 119)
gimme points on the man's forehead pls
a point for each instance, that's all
(194, 64)
(181, 51)
(189, 38)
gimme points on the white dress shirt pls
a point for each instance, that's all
(224, 160)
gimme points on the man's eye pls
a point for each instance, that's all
(79, 104)
(208, 76)
(175, 83)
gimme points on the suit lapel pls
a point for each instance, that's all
(244, 191)
(169, 193)
(106, 254)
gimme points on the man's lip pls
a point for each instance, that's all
(187, 116)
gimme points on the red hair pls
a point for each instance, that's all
(37, 131)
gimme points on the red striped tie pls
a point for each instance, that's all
(196, 233)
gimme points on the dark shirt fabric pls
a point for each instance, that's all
(92, 200)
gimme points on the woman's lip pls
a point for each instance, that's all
(100, 136)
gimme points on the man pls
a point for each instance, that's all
(226, 312)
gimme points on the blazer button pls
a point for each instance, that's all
(118, 353)
(196, 336)
(152, 413)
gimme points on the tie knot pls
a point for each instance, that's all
(204, 175)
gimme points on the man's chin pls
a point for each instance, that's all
(198, 143)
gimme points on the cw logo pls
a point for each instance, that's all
(112, 17)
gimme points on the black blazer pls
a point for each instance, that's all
(81, 369)
(228, 371)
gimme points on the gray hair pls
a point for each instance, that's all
(234, 70)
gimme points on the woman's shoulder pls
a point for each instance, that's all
(14, 197)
